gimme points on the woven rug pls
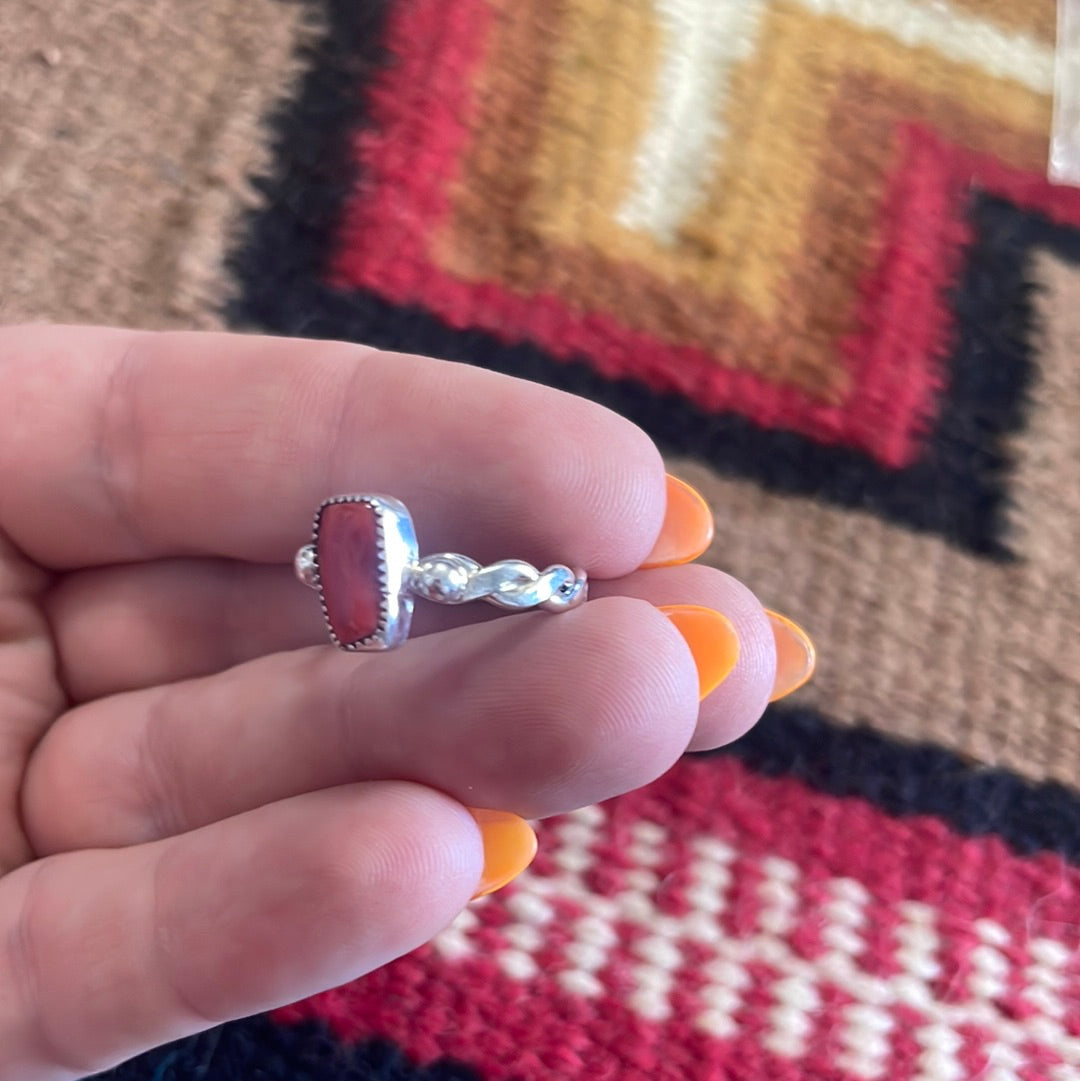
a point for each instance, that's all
(809, 246)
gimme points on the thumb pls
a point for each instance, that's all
(106, 953)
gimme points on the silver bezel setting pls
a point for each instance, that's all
(397, 550)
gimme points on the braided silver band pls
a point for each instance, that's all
(450, 578)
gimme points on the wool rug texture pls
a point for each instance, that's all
(810, 247)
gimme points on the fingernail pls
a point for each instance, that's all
(509, 847)
(712, 641)
(687, 530)
(795, 655)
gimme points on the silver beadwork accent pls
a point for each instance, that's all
(306, 566)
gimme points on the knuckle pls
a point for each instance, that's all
(23, 970)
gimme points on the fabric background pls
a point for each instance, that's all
(809, 246)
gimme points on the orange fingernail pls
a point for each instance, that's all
(795, 655)
(712, 641)
(509, 847)
(687, 530)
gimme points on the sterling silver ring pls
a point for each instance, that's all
(364, 562)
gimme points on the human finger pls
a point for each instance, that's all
(776, 656)
(254, 912)
(165, 444)
(535, 714)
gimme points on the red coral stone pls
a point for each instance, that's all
(347, 550)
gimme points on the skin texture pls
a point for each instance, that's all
(243, 815)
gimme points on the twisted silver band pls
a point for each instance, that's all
(450, 578)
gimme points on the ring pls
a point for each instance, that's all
(364, 562)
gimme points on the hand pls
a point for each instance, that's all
(205, 810)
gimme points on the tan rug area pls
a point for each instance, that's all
(128, 132)
(980, 657)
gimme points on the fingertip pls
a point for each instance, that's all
(712, 639)
(509, 847)
(623, 485)
(425, 844)
(313, 891)
(607, 701)
(687, 530)
(796, 656)
(737, 702)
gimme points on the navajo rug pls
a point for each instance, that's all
(809, 246)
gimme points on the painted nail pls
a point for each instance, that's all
(795, 655)
(687, 530)
(712, 641)
(509, 847)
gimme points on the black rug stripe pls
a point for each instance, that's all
(257, 1049)
(913, 779)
